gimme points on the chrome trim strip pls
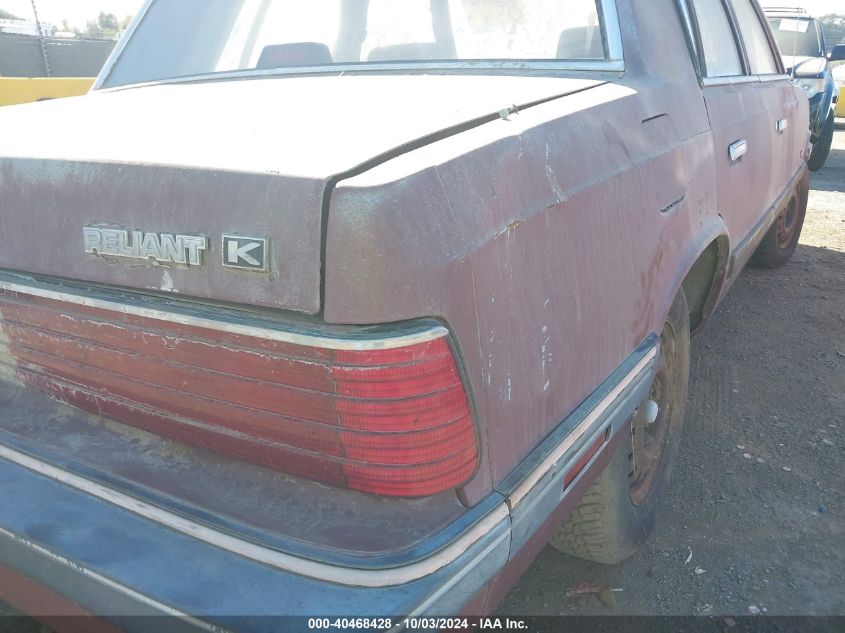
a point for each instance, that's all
(105, 71)
(363, 69)
(613, 32)
(258, 553)
(108, 582)
(742, 79)
(584, 427)
(729, 81)
(774, 77)
(282, 336)
(429, 602)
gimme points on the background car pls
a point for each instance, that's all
(839, 78)
(800, 38)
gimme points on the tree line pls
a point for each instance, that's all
(107, 26)
(834, 29)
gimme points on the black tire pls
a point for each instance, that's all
(780, 242)
(608, 526)
(821, 150)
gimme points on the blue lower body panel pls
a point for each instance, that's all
(115, 563)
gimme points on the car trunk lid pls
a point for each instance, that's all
(249, 158)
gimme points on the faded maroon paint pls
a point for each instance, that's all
(551, 260)
(551, 242)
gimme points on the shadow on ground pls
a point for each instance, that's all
(831, 177)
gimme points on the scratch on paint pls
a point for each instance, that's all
(509, 230)
(545, 354)
(552, 178)
(167, 282)
(509, 392)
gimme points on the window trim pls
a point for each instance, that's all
(774, 51)
(694, 42)
(611, 31)
(696, 32)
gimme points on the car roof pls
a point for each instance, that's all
(787, 11)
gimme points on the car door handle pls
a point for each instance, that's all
(781, 125)
(738, 150)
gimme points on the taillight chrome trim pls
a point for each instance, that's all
(383, 341)
(497, 519)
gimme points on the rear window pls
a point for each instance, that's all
(196, 37)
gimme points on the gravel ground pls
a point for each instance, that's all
(758, 496)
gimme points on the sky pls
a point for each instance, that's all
(78, 12)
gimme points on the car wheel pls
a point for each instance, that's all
(618, 513)
(780, 242)
(821, 150)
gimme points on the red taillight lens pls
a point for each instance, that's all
(393, 421)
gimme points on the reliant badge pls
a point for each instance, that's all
(160, 247)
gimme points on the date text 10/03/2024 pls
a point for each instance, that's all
(416, 624)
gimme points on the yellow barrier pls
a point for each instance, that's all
(840, 105)
(26, 90)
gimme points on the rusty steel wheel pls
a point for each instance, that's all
(650, 432)
(787, 224)
(780, 242)
(619, 511)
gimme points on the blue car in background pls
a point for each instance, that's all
(800, 38)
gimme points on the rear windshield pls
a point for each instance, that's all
(796, 37)
(178, 38)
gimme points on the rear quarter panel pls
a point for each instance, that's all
(552, 242)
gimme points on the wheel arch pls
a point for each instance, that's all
(705, 279)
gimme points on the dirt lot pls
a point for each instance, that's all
(759, 493)
(758, 496)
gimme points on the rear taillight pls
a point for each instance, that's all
(388, 416)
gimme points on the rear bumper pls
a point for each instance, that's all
(119, 565)
(122, 558)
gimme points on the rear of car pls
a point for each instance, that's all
(368, 299)
(192, 423)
